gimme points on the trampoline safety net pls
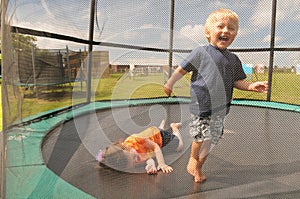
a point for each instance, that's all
(100, 66)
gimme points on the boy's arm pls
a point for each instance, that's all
(261, 87)
(178, 74)
(159, 157)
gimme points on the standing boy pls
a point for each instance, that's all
(215, 72)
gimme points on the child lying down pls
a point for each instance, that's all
(142, 148)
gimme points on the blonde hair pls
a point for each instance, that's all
(214, 17)
(114, 156)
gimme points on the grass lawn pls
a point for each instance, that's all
(285, 88)
(117, 86)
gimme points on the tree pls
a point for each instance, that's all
(23, 42)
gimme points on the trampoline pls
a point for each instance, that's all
(257, 158)
(52, 131)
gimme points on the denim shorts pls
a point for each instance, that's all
(206, 128)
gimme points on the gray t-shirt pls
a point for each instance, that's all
(214, 72)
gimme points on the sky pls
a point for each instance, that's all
(147, 22)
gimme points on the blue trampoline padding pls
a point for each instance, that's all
(26, 173)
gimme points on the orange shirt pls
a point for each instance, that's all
(138, 142)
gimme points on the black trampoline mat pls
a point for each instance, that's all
(258, 157)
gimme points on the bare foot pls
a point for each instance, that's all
(198, 177)
(194, 169)
(176, 125)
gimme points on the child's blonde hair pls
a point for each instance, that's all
(114, 156)
(214, 17)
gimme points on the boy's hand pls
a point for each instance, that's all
(167, 90)
(178, 74)
(261, 87)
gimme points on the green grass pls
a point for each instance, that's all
(118, 86)
(285, 88)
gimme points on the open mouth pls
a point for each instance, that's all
(223, 38)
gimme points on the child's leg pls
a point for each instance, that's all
(194, 166)
(200, 130)
(211, 137)
(194, 157)
(204, 151)
(162, 124)
(175, 130)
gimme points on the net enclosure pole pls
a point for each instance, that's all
(68, 64)
(33, 57)
(91, 39)
(171, 37)
(272, 44)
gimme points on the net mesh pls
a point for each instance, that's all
(50, 61)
